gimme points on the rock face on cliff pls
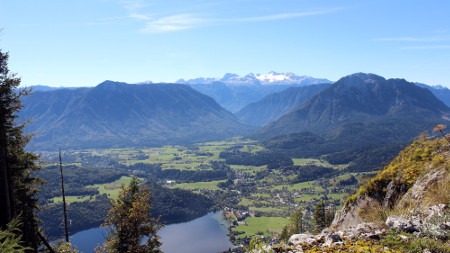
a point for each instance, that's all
(415, 180)
(405, 208)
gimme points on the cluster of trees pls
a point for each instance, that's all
(299, 223)
(296, 226)
(75, 185)
(294, 140)
(155, 172)
(323, 216)
(366, 158)
(272, 161)
(81, 215)
(89, 175)
(349, 181)
(351, 137)
(177, 205)
(304, 173)
(312, 172)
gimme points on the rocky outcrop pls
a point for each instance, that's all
(327, 238)
(351, 217)
(403, 187)
(330, 239)
(432, 222)
(421, 222)
(420, 188)
(411, 196)
(402, 224)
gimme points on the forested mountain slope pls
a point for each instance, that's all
(116, 114)
(365, 99)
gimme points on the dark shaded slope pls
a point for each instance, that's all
(442, 93)
(235, 97)
(272, 106)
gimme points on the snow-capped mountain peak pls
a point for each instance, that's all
(272, 78)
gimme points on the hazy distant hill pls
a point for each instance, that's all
(272, 106)
(440, 92)
(233, 92)
(43, 88)
(363, 103)
(119, 114)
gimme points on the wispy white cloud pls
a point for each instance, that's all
(140, 16)
(189, 21)
(134, 5)
(424, 43)
(426, 47)
(183, 21)
(134, 8)
(411, 39)
(173, 23)
(282, 16)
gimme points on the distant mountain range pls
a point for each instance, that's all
(439, 91)
(360, 98)
(272, 106)
(357, 110)
(233, 92)
(115, 114)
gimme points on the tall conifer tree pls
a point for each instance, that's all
(17, 186)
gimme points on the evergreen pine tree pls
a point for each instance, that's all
(297, 222)
(323, 217)
(329, 216)
(284, 236)
(130, 220)
(319, 217)
(17, 187)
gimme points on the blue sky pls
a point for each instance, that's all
(84, 42)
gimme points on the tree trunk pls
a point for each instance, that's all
(5, 188)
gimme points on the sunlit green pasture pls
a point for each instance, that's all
(336, 195)
(70, 199)
(246, 202)
(248, 169)
(262, 225)
(198, 185)
(112, 189)
(308, 197)
(299, 187)
(265, 209)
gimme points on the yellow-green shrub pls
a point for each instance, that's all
(406, 168)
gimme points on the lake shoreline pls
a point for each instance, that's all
(208, 233)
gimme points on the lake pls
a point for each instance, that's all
(207, 234)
